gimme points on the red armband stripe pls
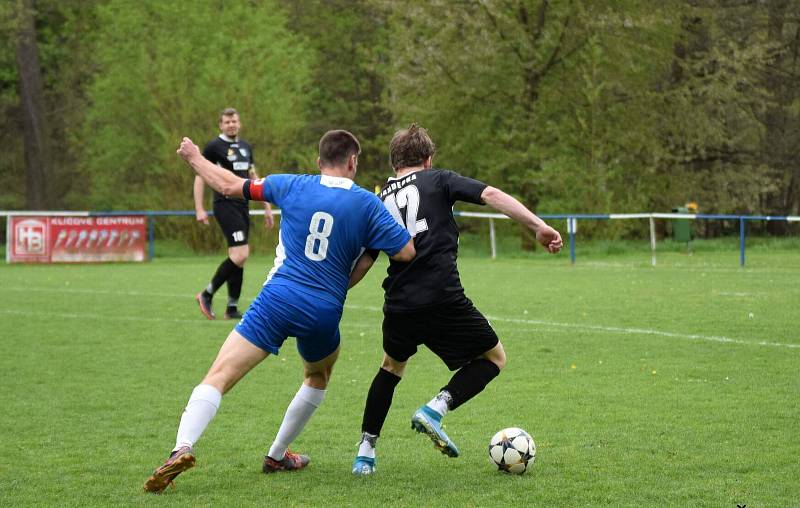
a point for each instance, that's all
(256, 189)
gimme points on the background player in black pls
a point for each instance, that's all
(424, 299)
(232, 214)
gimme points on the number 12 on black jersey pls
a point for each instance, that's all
(408, 198)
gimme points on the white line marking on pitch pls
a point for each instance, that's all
(101, 317)
(100, 292)
(645, 331)
(77, 315)
(614, 329)
(610, 329)
(738, 294)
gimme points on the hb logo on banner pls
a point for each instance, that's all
(31, 237)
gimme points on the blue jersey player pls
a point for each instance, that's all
(326, 223)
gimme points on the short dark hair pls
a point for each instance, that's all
(228, 112)
(335, 147)
(410, 147)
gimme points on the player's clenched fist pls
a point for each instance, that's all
(188, 149)
(549, 238)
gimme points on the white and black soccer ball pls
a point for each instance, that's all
(512, 450)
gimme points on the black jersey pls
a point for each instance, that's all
(234, 155)
(423, 202)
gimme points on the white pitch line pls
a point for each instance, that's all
(363, 307)
(99, 292)
(578, 326)
(739, 294)
(627, 331)
(645, 331)
(101, 317)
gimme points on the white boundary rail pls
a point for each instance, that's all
(572, 225)
(572, 222)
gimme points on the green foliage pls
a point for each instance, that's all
(602, 106)
(165, 71)
(457, 71)
(539, 97)
(350, 43)
(12, 168)
(595, 161)
(69, 63)
(66, 30)
(8, 67)
(728, 128)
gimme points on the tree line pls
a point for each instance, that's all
(573, 106)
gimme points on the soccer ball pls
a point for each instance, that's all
(512, 450)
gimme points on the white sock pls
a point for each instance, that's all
(439, 403)
(303, 405)
(199, 412)
(367, 446)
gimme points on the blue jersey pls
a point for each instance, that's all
(326, 223)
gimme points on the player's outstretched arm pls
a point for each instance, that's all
(504, 203)
(219, 179)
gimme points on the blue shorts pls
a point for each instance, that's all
(281, 311)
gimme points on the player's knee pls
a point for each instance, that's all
(239, 254)
(218, 380)
(318, 380)
(497, 355)
(239, 259)
(393, 366)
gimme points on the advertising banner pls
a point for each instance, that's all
(69, 239)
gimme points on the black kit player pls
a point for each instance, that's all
(232, 214)
(424, 300)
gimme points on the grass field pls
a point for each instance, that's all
(642, 386)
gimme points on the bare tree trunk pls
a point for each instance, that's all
(776, 119)
(31, 95)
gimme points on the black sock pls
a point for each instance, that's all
(379, 400)
(470, 380)
(222, 274)
(235, 285)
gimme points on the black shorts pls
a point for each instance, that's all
(233, 218)
(456, 332)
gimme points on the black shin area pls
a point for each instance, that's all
(235, 283)
(379, 400)
(470, 380)
(222, 274)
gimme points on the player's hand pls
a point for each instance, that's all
(269, 221)
(549, 238)
(188, 149)
(201, 216)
